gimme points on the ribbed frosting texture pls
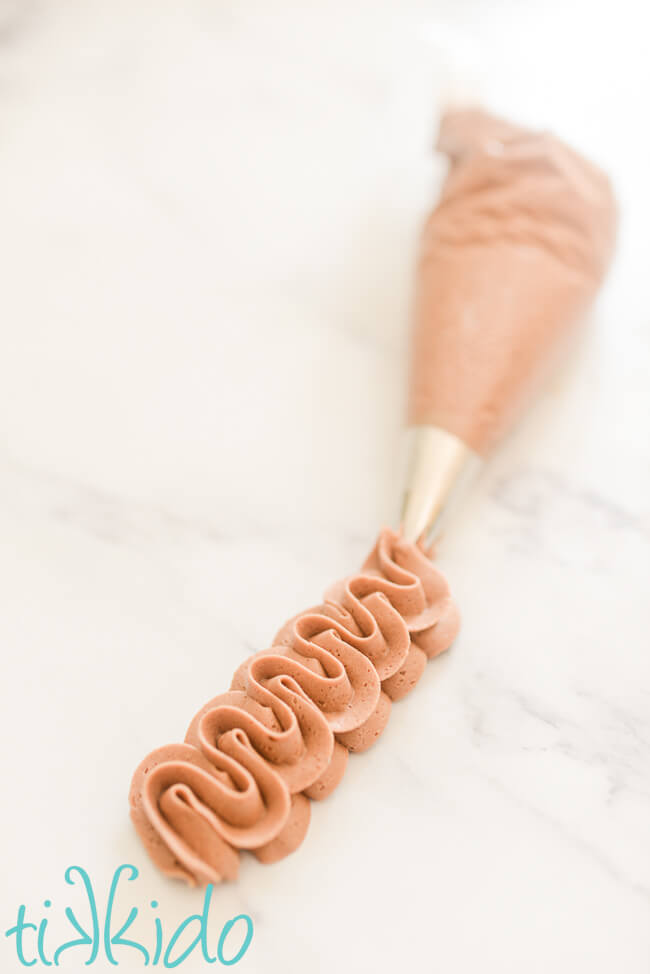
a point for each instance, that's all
(254, 756)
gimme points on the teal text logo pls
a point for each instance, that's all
(108, 935)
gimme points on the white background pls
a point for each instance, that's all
(208, 214)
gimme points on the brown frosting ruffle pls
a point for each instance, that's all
(254, 756)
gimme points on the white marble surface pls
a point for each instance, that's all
(207, 221)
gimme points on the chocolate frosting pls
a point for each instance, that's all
(510, 259)
(254, 756)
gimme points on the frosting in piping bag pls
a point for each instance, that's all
(510, 259)
(254, 756)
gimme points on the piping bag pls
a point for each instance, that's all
(510, 259)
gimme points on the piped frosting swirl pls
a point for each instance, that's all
(254, 756)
